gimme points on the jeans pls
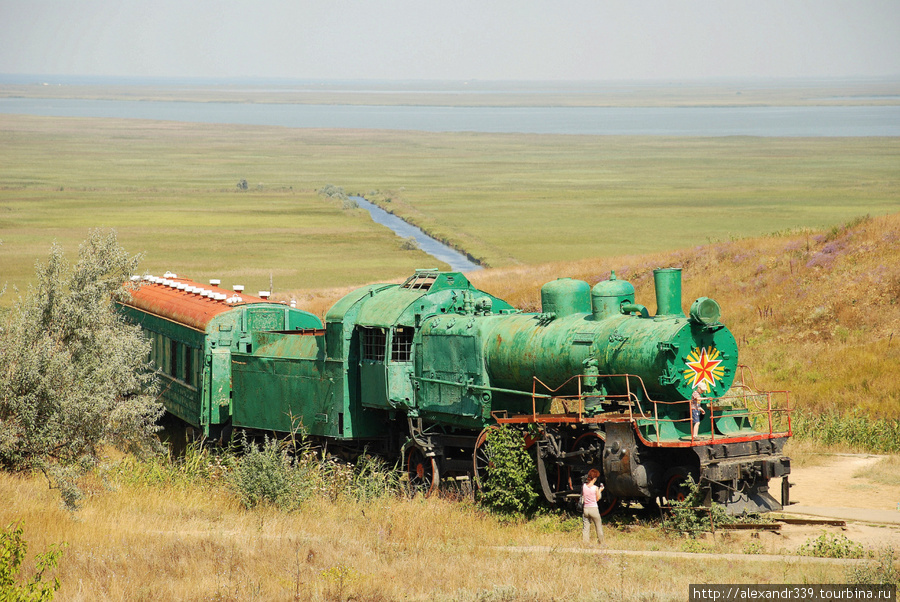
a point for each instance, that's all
(592, 515)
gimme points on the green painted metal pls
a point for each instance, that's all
(667, 283)
(705, 311)
(566, 297)
(205, 400)
(286, 384)
(436, 347)
(386, 381)
(607, 297)
(667, 355)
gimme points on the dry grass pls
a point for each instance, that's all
(809, 453)
(886, 471)
(169, 542)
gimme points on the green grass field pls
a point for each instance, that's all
(170, 190)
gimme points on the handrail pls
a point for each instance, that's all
(631, 398)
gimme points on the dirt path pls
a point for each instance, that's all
(831, 490)
(832, 484)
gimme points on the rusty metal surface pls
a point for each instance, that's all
(189, 309)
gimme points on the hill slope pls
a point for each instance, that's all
(814, 312)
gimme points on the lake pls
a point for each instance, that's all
(793, 121)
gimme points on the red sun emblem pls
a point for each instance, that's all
(703, 366)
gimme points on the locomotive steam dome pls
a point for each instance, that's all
(565, 297)
(609, 295)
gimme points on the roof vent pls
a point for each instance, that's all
(215, 282)
(135, 278)
(170, 275)
(234, 299)
(238, 288)
(181, 286)
(220, 296)
(265, 294)
(293, 303)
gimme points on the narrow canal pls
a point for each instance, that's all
(458, 262)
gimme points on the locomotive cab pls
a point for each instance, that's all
(376, 331)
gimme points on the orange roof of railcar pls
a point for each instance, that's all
(185, 301)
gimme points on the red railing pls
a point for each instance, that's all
(742, 402)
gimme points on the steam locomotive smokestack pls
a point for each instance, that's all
(668, 291)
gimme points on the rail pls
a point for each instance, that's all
(743, 412)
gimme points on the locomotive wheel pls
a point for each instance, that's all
(480, 459)
(607, 503)
(677, 488)
(550, 474)
(423, 471)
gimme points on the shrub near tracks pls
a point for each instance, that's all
(73, 374)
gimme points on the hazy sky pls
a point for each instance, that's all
(458, 39)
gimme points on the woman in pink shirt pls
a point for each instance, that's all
(590, 493)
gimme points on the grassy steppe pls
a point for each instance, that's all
(815, 311)
(162, 537)
(170, 189)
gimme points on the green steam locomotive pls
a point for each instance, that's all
(424, 369)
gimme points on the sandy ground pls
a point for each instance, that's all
(833, 484)
(830, 490)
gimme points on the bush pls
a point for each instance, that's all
(267, 473)
(288, 473)
(409, 244)
(374, 478)
(73, 373)
(691, 517)
(880, 572)
(831, 546)
(13, 549)
(508, 484)
(684, 515)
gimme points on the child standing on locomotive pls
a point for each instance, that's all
(591, 493)
(696, 409)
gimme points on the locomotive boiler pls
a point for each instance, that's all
(424, 369)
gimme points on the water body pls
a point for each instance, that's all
(458, 262)
(800, 121)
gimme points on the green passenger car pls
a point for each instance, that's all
(195, 330)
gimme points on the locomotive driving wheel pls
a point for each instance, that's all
(592, 444)
(551, 473)
(422, 471)
(480, 459)
(677, 487)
